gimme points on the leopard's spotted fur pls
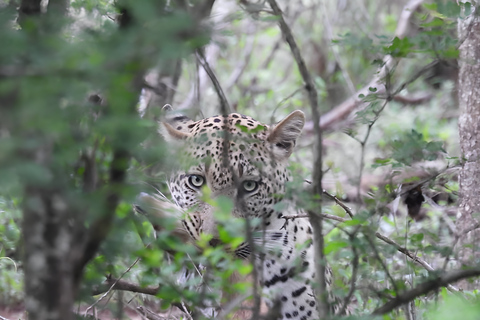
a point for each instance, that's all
(245, 160)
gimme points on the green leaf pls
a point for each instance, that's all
(430, 6)
(353, 222)
(269, 18)
(449, 309)
(399, 48)
(412, 148)
(334, 246)
(380, 162)
(415, 238)
(437, 22)
(246, 129)
(451, 53)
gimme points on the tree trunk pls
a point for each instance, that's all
(49, 282)
(469, 130)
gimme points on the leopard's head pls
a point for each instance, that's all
(233, 156)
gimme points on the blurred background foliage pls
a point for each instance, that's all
(79, 88)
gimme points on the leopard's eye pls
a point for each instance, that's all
(196, 181)
(249, 185)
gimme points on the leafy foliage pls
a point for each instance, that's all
(70, 91)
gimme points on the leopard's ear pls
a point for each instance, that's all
(174, 126)
(284, 134)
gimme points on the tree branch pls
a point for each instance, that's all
(426, 287)
(112, 283)
(112, 286)
(353, 280)
(341, 111)
(314, 216)
(224, 105)
(100, 228)
(28, 8)
(380, 236)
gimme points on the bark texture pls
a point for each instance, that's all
(469, 130)
(48, 241)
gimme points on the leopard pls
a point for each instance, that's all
(238, 157)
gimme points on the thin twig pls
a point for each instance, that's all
(324, 215)
(353, 280)
(406, 190)
(229, 307)
(218, 88)
(363, 144)
(340, 203)
(282, 102)
(412, 256)
(124, 285)
(276, 46)
(389, 241)
(344, 109)
(148, 314)
(111, 287)
(380, 260)
(11, 260)
(329, 38)
(414, 77)
(242, 65)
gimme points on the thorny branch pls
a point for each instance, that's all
(314, 216)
